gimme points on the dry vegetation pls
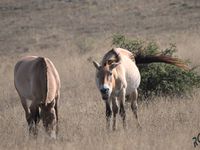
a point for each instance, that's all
(69, 32)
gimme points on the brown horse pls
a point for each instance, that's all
(38, 85)
(118, 77)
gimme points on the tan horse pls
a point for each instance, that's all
(38, 85)
(118, 77)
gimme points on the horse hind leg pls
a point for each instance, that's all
(26, 108)
(34, 119)
(134, 106)
(28, 114)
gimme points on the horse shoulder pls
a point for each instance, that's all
(121, 76)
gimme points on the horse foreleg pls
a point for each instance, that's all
(53, 124)
(49, 118)
(115, 111)
(56, 111)
(122, 109)
(108, 113)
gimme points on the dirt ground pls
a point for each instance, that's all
(69, 32)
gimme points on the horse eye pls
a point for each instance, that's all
(110, 73)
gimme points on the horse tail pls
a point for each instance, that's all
(43, 77)
(161, 58)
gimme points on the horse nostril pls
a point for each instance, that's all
(104, 90)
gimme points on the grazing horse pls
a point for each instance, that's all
(38, 85)
(118, 77)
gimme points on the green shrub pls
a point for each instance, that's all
(159, 78)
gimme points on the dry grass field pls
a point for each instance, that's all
(71, 31)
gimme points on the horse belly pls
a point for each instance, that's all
(132, 78)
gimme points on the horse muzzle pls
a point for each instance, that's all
(105, 93)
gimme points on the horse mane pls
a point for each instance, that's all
(125, 52)
(43, 75)
(114, 55)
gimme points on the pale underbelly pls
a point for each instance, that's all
(133, 80)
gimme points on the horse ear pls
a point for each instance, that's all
(113, 65)
(96, 64)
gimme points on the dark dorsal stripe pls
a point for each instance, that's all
(110, 57)
(42, 66)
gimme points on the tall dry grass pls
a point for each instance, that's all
(167, 123)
